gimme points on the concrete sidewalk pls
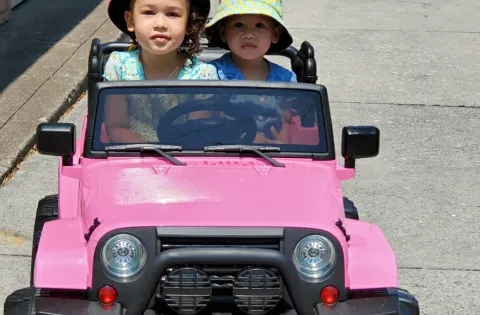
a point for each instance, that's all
(43, 65)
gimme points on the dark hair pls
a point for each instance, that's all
(195, 28)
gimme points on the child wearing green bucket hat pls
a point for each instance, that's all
(250, 29)
(166, 39)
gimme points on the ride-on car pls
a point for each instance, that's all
(204, 215)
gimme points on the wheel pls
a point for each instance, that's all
(47, 210)
(351, 211)
(408, 310)
(19, 302)
(408, 304)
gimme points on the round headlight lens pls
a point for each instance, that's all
(123, 256)
(314, 256)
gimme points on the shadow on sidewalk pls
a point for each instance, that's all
(34, 27)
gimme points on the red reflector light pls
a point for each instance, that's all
(329, 295)
(107, 295)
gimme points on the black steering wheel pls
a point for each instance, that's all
(236, 124)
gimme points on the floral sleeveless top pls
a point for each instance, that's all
(146, 110)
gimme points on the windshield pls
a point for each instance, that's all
(196, 117)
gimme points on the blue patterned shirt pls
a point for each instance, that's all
(227, 70)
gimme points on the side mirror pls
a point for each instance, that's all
(359, 142)
(57, 139)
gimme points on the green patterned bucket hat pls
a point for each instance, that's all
(271, 8)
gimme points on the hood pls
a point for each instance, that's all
(122, 194)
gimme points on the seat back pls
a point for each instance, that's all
(302, 61)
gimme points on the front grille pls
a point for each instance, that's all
(251, 288)
(221, 278)
(172, 243)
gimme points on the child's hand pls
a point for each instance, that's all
(280, 137)
(287, 115)
(123, 135)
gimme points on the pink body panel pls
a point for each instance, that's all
(211, 192)
(68, 187)
(372, 262)
(61, 260)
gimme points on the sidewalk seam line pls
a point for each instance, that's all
(51, 76)
(72, 97)
(383, 30)
(407, 104)
(439, 268)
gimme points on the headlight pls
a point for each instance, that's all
(314, 256)
(123, 256)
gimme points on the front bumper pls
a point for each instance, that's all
(390, 305)
(400, 302)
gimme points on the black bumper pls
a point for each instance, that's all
(56, 306)
(385, 305)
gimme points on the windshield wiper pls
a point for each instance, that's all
(247, 148)
(160, 149)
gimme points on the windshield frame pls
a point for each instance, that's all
(96, 90)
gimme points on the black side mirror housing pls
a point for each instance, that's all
(359, 142)
(57, 139)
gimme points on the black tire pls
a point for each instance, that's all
(408, 305)
(351, 211)
(408, 310)
(19, 302)
(47, 210)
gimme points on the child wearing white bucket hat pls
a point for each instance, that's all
(166, 35)
(250, 29)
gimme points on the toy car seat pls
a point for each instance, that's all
(302, 61)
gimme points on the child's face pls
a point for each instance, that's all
(249, 36)
(159, 25)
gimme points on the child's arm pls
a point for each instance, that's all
(287, 114)
(281, 137)
(116, 119)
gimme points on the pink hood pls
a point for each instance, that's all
(121, 193)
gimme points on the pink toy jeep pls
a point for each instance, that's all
(206, 214)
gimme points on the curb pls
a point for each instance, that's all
(78, 87)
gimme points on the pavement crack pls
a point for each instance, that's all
(408, 104)
(438, 268)
(382, 30)
(52, 75)
(15, 255)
